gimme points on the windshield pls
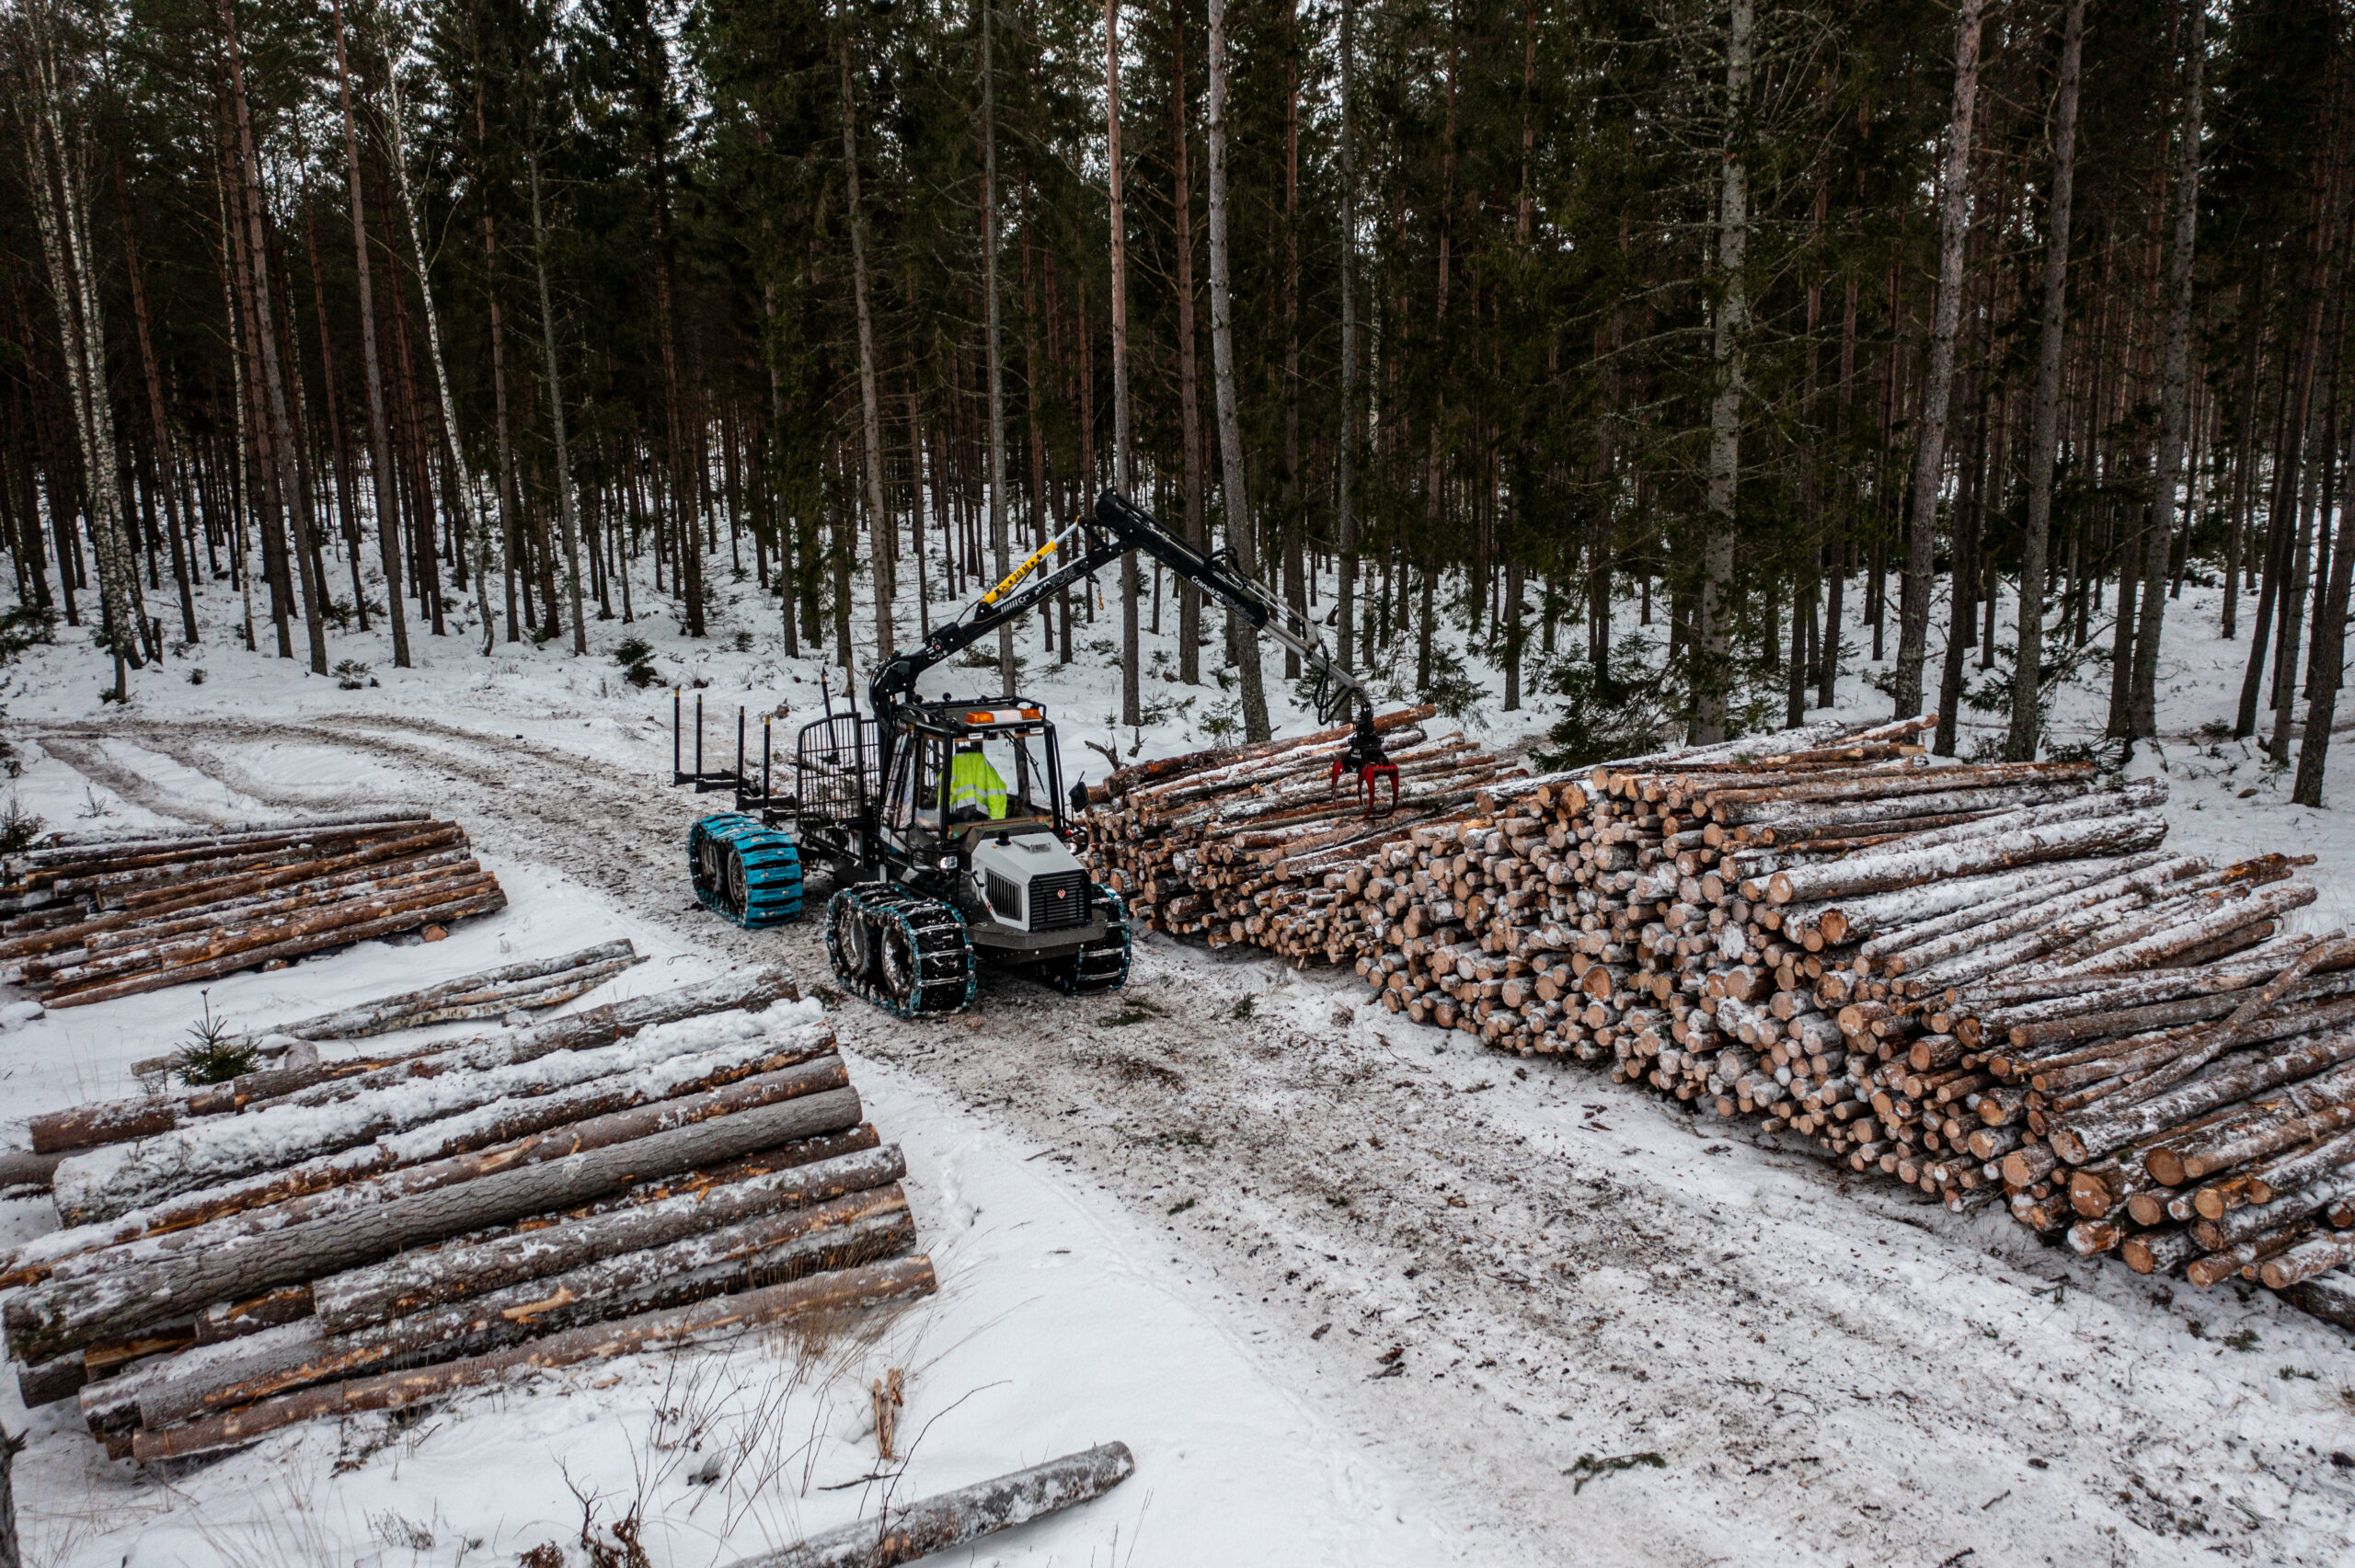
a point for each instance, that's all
(996, 777)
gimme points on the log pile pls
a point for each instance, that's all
(1990, 982)
(326, 1238)
(2199, 1121)
(1246, 845)
(86, 917)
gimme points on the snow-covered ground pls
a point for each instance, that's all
(1200, 1219)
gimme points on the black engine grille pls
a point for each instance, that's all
(1005, 896)
(1059, 901)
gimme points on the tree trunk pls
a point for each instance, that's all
(2020, 741)
(1189, 406)
(878, 521)
(158, 425)
(1345, 505)
(2328, 669)
(1713, 643)
(1124, 476)
(2174, 390)
(1930, 434)
(294, 493)
(510, 508)
(565, 514)
(380, 462)
(62, 216)
(2282, 505)
(461, 482)
(1242, 528)
(999, 543)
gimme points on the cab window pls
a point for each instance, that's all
(993, 778)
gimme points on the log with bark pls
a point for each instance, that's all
(512, 987)
(592, 1188)
(321, 1083)
(849, 1290)
(1940, 974)
(942, 1523)
(96, 919)
(96, 1294)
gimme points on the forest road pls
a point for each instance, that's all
(1594, 1327)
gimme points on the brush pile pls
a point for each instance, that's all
(1986, 981)
(87, 918)
(319, 1239)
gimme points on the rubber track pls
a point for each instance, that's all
(946, 976)
(1103, 964)
(770, 861)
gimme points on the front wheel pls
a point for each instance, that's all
(899, 949)
(1102, 964)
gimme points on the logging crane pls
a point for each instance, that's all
(945, 824)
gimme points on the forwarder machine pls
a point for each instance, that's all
(945, 824)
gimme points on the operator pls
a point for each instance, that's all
(976, 789)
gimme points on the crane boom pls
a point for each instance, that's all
(1117, 526)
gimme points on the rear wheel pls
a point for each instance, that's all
(748, 873)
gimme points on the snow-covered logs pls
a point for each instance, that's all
(2195, 1120)
(390, 1231)
(85, 917)
(1987, 981)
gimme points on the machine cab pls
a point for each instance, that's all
(960, 770)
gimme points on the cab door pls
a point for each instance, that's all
(911, 818)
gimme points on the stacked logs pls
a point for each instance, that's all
(507, 993)
(1244, 844)
(1824, 933)
(86, 919)
(364, 1235)
(2198, 1120)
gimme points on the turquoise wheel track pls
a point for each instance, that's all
(744, 871)
(899, 949)
(1103, 964)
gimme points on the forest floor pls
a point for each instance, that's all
(1352, 1289)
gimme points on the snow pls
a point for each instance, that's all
(1134, 1226)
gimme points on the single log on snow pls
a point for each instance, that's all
(938, 1524)
(849, 1290)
